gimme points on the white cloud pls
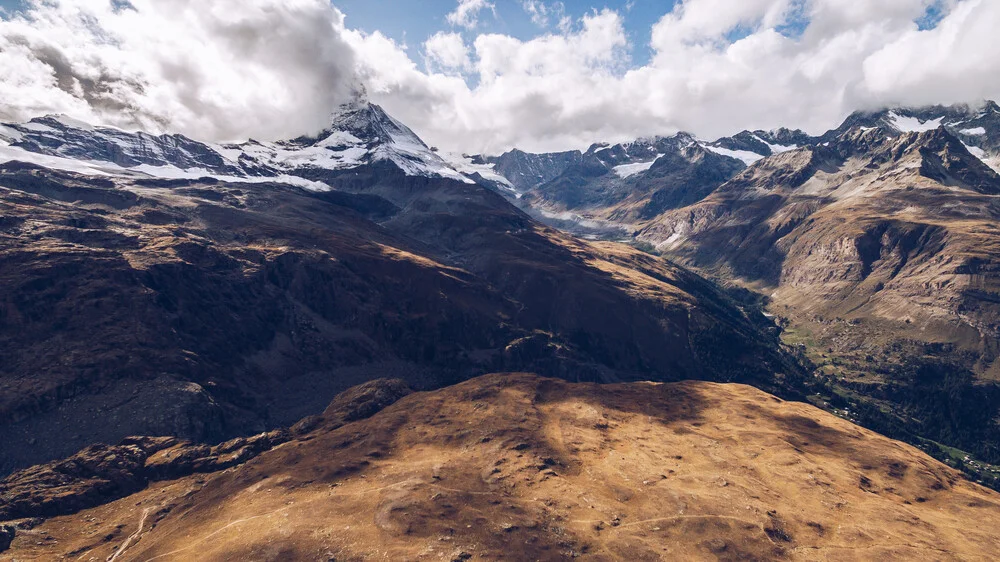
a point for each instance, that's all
(695, 21)
(542, 13)
(958, 59)
(270, 68)
(717, 66)
(447, 52)
(218, 70)
(466, 14)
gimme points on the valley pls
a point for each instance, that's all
(177, 314)
(872, 246)
(213, 308)
(468, 280)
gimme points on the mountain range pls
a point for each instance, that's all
(872, 245)
(241, 299)
(175, 315)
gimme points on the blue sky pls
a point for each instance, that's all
(411, 22)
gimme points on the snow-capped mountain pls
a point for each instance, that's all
(611, 188)
(977, 127)
(751, 146)
(360, 133)
(622, 161)
(611, 185)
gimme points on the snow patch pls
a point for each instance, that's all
(464, 165)
(229, 152)
(37, 127)
(340, 139)
(746, 156)
(629, 170)
(905, 124)
(976, 151)
(87, 167)
(10, 135)
(992, 161)
(777, 148)
(976, 131)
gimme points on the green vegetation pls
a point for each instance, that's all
(645, 247)
(932, 407)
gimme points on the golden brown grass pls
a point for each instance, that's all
(515, 467)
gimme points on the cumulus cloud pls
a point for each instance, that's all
(272, 68)
(216, 70)
(957, 60)
(698, 21)
(717, 66)
(548, 91)
(447, 52)
(466, 13)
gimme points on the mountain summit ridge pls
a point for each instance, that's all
(358, 133)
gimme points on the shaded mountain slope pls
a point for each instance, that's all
(208, 310)
(514, 466)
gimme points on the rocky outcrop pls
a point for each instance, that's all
(102, 473)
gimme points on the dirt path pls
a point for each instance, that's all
(128, 542)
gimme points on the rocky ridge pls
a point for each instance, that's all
(516, 466)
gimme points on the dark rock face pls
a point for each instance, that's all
(526, 171)
(747, 141)
(365, 400)
(7, 533)
(676, 180)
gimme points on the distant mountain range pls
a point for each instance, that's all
(618, 185)
(875, 245)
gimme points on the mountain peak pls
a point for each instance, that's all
(61, 120)
(359, 133)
